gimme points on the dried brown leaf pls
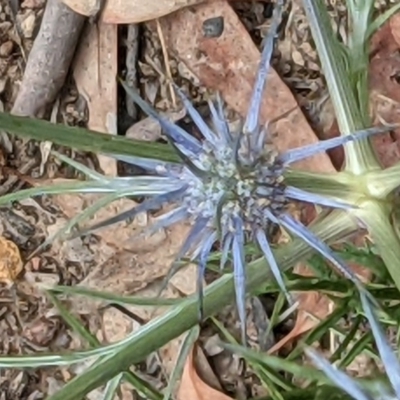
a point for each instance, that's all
(193, 387)
(394, 23)
(95, 69)
(228, 64)
(150, 130)
(128, 11)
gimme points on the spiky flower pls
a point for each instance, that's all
(389, 360)
(230, 187)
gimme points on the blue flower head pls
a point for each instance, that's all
(230, 187)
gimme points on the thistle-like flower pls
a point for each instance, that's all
(230, 187)
(389, 360)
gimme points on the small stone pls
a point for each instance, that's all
(6, 48)
(213, 27)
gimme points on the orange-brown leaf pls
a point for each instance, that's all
(228, 64)
(192, 387)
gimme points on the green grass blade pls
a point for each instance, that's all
(347, 340)
(90, 173)
(114, 298)
(359, 346)
(60, 188)
(142, 387)
(112, 387)
(73, 322)
(381, 19)
(278, 363)
(138, 383)
(84, 139)
(184, 351)
(320, 330)
(381, 183)
(270, 378)
(68, 227)
(46, 360)
(180, 319)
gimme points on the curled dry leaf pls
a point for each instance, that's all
(10, 261)
(192, 387)
(128, 11)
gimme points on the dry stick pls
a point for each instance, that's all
(132, 48)
(166, 61)
(49, 59)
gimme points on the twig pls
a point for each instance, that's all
(166, 61)
(132, 47)
(49, 59)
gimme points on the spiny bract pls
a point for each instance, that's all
(389, 360)
(230, 187)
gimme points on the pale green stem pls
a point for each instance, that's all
(375, 216)
(381, 183)
(221, 293)
(360, 156)
(338, 185)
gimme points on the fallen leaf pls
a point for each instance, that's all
(128, 11)
(10, 261)
(95, 69)
(192, 387)
(228, 63)
(89, 8)
(149, 129)
(394, 23)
